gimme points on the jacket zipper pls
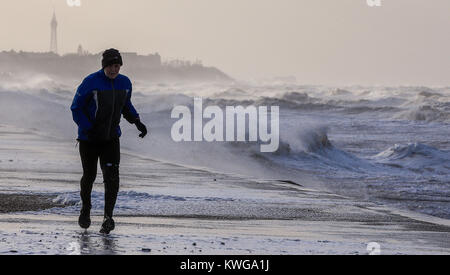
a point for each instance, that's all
(113, 106)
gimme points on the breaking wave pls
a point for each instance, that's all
(417, 157)
(337, 134)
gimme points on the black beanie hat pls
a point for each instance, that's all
(110, 57)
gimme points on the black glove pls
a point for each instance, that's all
(141, 127)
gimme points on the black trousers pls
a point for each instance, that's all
(109, 154)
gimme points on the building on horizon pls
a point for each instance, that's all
(54, 37)
(81, 51)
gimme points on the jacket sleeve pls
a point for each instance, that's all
(129, 112)
(79, 103)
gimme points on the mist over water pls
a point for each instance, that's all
(383, 144)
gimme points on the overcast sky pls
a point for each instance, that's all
(403, 42)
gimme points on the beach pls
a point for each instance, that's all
(168, 209)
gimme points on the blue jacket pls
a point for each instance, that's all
(99, 104)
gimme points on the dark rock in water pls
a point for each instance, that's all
(13, 251)
(146, 250)
(26, 202)
(288, 181)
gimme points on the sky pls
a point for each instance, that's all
(330, 42)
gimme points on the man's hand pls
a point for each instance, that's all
(141, 127)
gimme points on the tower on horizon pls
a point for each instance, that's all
(53, 39)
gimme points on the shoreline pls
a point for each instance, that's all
(178, 206)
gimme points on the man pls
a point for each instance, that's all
(101, 99)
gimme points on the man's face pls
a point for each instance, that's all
(112, 71)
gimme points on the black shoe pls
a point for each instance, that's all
(108, 225)
(85, 219)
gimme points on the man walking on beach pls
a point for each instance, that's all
(101, 100)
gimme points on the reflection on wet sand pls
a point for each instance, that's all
(94, 243)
